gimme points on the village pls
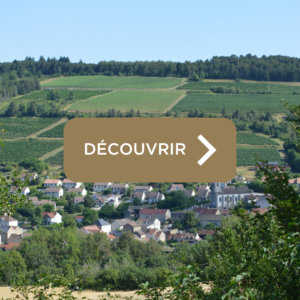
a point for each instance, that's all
(137, 209)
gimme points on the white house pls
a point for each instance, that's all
(103, 225)
(7, 221)
(54, 192)
(100, 186)
(51, 218)
(79, 219)
(189, 193)
(151, 223)
(31, 176)
(139, 195)
(176, 187)
(155, 197)
(156, 235)
(78, 191)
(113, 200)
(24, 191)
(67, 183)
(119, 188)
(52, 183)
(146, 189)
(35, 201)
(78, 200)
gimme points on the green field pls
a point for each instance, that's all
(243, 87)
(24, 126)
(16, 151)
(64, 94)
(56, 132)
(215, 103)
(247, 156)
(114, 82)
(56, 159)
(253, 139)
(145, 101)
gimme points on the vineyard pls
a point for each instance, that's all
(114, 82)
(64, 94)
(243, 87)
(56, 159)
(247, 156)
(16, 151)
(24, 126)
(56, 132)
(143, 100)
(253, 139)
(215, 103)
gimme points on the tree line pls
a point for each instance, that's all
(274, 68)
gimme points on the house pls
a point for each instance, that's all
(103, 226)
(139, 195)
(100, 186)
(30, 177)
(295, 182)
(79, 219)
(191, 238)
(111, 237)
(7, 221)
(119, 188)
(227, 196)
(17, 238)
(273, 165)
(203, 194)
(157, 235)
(9, 246)
(151, 223)
(203, 187)
(91, 229)
(205, 210)
(203, 233)
(261, 211)
(190, 193)
(78, 200)
(146, 189)
(113, 200)
(119, 224)
(100, 201)
(176, 187)
(263, 202)
(226, 212)
(177, 216)
(205, 219)
(24, 191)
(9, 226)
(155, 197)
(51, 218)
(141, 234)
(132, 227)
(67, 183)
(132, 212)
(161, 214)
(36, 202)
(54, 192)
(78, 191)
(52, 183)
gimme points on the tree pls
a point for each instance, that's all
(107, 191)
(79, 208)
(88, 201)
(12, 110)
(190, 219)
(137, 201)
(70, 222)
(177, 224)
(71, 96)
(48, 207)
(256, 185)
(210, 226)
(32, 111)
(90, 216)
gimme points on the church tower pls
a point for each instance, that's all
(215, 188)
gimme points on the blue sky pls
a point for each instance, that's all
(96, 30)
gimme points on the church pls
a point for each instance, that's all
(225, 197)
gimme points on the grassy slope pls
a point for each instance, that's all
(114, 82)
(143, 100)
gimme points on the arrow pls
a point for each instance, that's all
(209, 146)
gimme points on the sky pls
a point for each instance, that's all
(121, 30)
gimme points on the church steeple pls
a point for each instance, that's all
(216, 186)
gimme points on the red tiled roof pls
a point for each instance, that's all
(10, 246)
(111, 236)
(49, 214)
(205, 232)
(260, 210)
(66, 180)
(153, 211)
(79, 217)
(51, 181)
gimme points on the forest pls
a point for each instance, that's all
(265, 68)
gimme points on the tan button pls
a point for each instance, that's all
(150, 150)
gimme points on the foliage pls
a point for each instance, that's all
(256, 185)
(34, 164)
(253, 139)
(88, 201)
(16, 151)
(57, 159)
(215, 103)
(177, 200)
(55, 132)
(190, 219)
(247, 156)
(24, 126)
(124, 100)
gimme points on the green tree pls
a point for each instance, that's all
(70, 222)
(137, 201)
(190, 219)
(48, 207)
(88, 201)
(12, 110)
(177, 224)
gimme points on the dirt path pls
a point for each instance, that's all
(183, 81)
(175, 102)
(34, 135)
(50, 80)
(51, 153)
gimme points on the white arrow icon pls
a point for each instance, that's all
(209, 153)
